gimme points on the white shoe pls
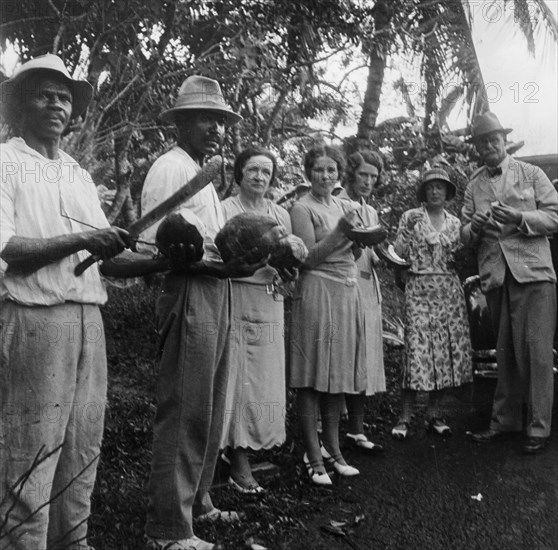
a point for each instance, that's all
(341, 469)
(362, 442)
(315, 477)
(193, 543)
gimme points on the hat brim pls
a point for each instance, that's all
(450, 186)
(231, 117)
(472, 139)
(82, 91)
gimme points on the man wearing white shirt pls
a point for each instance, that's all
(509, 211)
(53, 362)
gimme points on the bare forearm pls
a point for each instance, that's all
(131, 264)
(24, 255)
(319, 252)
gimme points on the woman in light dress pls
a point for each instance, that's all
(324, 362)
(362, 175)
(256, 394)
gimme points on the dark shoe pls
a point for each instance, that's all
(490, 435)
(535, 445)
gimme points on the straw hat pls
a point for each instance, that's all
(484, 124)
(10, 89)
(200, 93)
(435, 174)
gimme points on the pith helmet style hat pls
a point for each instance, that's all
(200, 93)
(435, 174)
(10, 89)
(486, 124)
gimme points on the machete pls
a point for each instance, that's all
(206, 175)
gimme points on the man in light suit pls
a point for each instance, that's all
(509, 210)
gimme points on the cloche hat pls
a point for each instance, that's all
(10, 89)
(484, 124)
(200, 93)
(435, 174)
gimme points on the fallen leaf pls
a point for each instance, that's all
(337, 523)
(338, 531)
(358, 519)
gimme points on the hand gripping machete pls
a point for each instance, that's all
(206, 175)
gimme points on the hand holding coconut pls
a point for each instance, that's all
(505, 214)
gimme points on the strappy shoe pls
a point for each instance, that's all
(252, 488)
(360, 441)
(315, 477)
(400, 431)
(341, 469)
(438, 426)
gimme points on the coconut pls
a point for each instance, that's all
(254, 237)
(175, 230)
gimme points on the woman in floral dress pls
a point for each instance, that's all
(437, 339)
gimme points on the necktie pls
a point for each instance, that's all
(494, 171)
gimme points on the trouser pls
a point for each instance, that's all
(52, 402)
(523, 316)
(194, 321)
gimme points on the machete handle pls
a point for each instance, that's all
(85, 264)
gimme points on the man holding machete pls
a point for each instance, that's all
(193, 317)
(53, 371)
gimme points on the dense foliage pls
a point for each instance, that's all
(272, 59)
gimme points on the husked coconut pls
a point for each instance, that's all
(255, 237)
(175, 230)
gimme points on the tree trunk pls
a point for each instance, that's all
(371, 105)
(383, 12)
(122, 170)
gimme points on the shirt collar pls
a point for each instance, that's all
(20, 144)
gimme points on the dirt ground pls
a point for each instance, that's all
(419, 495)
(424, 493)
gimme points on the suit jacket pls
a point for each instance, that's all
(524, 249)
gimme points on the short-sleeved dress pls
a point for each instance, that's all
(327, 329)
(256, 393)
(437, 340)
(371, 297)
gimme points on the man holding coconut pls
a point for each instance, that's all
(510, 209)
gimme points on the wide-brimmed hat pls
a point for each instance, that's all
(484, 124)
(10, 89)
(435, 174)
(200, 93)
